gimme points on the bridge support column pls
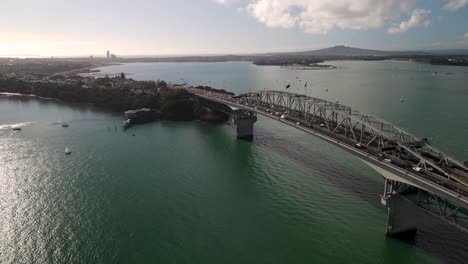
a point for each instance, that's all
(401, 216)
(244, 121)
(245, 129)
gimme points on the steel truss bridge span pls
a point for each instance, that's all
(412, 168)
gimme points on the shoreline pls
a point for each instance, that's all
(7, 94)
(177, 105)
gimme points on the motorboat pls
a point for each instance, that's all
(126, 124)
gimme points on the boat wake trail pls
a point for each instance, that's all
(9, 126)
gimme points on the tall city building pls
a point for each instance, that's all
(108, 54)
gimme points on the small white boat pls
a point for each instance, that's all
(67, 151)
(402, 100)
(126, 124)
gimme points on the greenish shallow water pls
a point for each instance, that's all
(192, 193)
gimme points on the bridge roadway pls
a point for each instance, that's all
(412, 169)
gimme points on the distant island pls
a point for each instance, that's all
(340, 52)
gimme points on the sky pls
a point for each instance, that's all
(177, 27)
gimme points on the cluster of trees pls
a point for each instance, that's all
(173, 104)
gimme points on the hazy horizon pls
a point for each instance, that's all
(219, 27)
(32, 56)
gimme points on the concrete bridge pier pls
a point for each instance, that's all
(242, 118)
(244, 129)
(244, 121)
(401, 216)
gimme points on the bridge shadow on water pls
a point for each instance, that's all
(345, 177)
(434, 235)
(238, 152)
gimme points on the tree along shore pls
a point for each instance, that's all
(172, 104)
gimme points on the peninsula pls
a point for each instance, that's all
(116, 93)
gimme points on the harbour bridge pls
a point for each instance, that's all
(413, 169)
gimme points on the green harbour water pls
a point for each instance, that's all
(190, 192)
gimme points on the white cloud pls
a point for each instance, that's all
(418, 18)
(319, 17)
(454, 5)
(273, 13)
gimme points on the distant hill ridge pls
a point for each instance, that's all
(341, 50)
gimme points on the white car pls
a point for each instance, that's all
(388, 160)
(417, 169)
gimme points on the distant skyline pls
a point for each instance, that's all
(176, 27)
